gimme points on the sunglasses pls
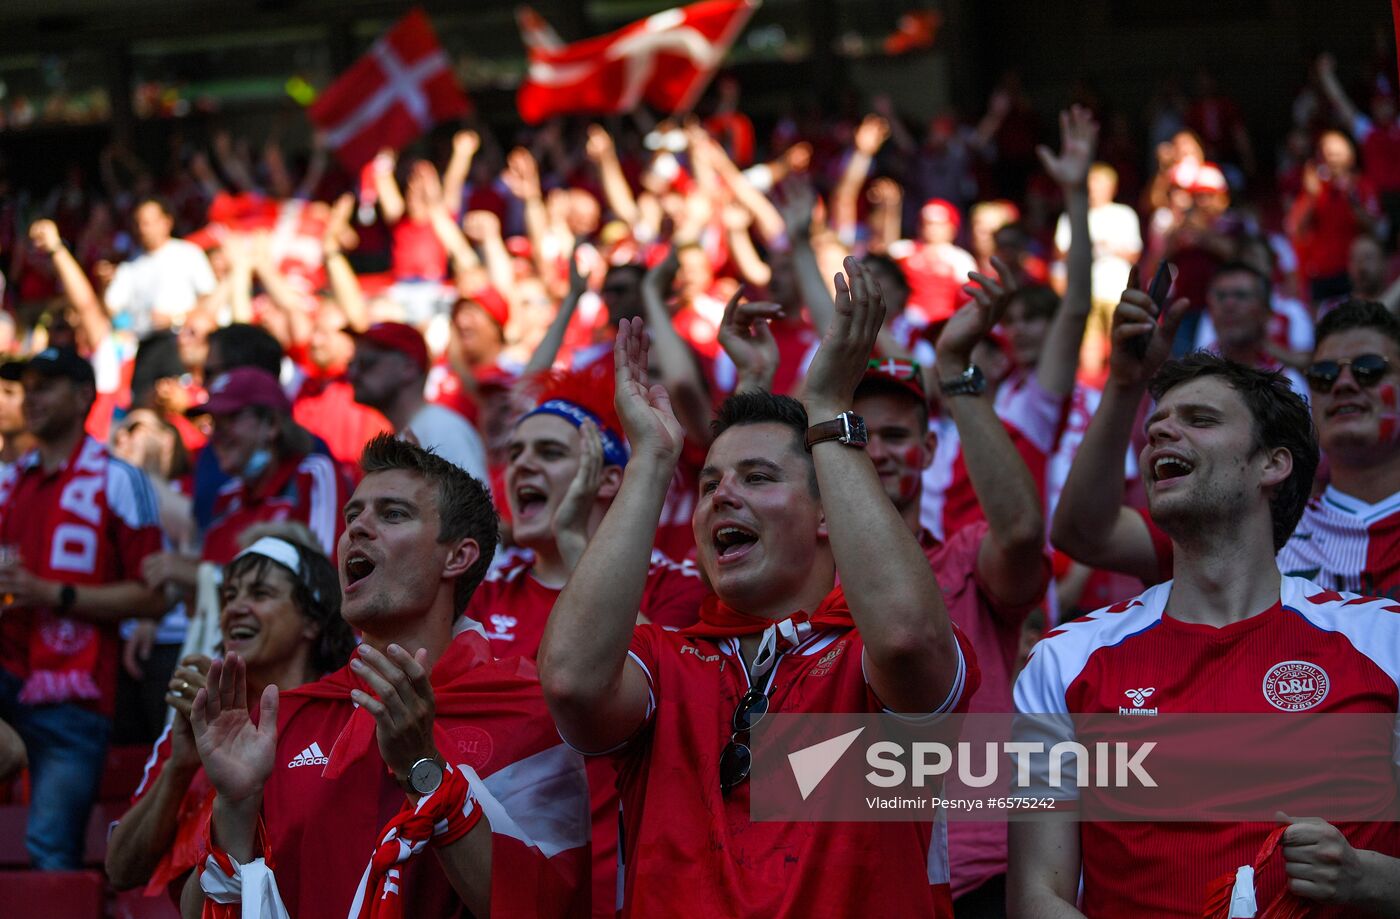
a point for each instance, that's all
(1366, 369)
(735, 760)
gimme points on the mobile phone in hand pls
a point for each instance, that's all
(1157, 292)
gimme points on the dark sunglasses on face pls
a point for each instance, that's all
(736, 759)
(1366, 369)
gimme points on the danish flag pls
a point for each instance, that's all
(397, 90)
(666, 59)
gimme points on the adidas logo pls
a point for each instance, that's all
(311, 756)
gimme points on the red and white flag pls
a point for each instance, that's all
(537, 34)
(666, 59)
(401, 87)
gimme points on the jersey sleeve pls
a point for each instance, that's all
(1162, 550)
(966, 681)
(674, 592)
(325, 496)
(135, 519)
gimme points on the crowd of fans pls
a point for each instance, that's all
(270, 429)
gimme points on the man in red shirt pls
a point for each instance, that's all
(1336, 204)
(566, 462)
(936, 268)
(664, 702)
(1229, 466)
(423, 710)
(78, 523)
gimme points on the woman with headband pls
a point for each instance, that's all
(280, 610)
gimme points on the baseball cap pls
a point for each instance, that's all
(1207, 180)
(396, 336)
(937, 209)
(52, 362)
(240, 388)
(491, 302)
(904, 375)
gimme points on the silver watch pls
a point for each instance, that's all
(424, 777)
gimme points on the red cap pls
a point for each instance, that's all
(244, 387)
(939, 210)
(904, 374)
(396, 336)
(491, 301)
(1208, 180)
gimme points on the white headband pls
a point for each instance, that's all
(284, 554)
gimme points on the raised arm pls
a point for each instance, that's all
(870, 136)
(484, 229)
(752, 267)
(465, 144)
(344, 285)
(1091, 524)
(745, 336)
(911, 656)
(1327, 76)
(386, 186)
(765, 214)
(674, 358)
(548, 348)
(92, 315)
(1011, 556)
(1059, 359)
(596, 693)
(603, 153)
(797, 215)
(288, 303)
(522, 177)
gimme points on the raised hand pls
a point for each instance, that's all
(522, 175)
(844, 354)
(187, 680)
(1079, 136)
(871, 135)
(481, 225)
(238, 755)
(465, 144)
(571, 516)
(970, 324)
(599, 146)
(1129, 363)
(745, 336)
(799, 202)
(402, 704)
(44, 235)
(648, 420)
(338, 234)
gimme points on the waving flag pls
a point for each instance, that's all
(401, 87)
(666, 59)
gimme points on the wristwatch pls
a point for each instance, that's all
(970, 383)
(424, 777)
(847, 428)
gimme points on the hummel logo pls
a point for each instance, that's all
(811, 764)
(311, 756)
(1139, 696)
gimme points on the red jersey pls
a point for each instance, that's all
(191, 816)
(491, 717)
(936, 276)
(1092, 665)
(91, 521)
(417, 252)
(977, 851)
(309, 489)
(513, 606)
(1324, 246)
(1380, 152)
(691, 851)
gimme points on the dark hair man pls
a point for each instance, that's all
(1229, 463)
(422, 710)
(774, 525)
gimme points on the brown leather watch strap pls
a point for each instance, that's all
(834, 429)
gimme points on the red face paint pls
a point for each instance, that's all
(911, 465)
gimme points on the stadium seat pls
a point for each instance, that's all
(52, 894)
(133, 904)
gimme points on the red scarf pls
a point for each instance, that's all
(1238, 885)
(720, 620)
(63, 651)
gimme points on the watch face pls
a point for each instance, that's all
(855, 430)
(425, 776)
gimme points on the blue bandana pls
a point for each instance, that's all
(614, 450)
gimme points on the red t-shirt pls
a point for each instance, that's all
(417, 252)
(326, 407)
(689, 850)
(1380, 152)
(1164, 869)
(513, 606)
(936, 276)
(309, 489)
(1324, 246)
(91, 521)
(191, 816)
